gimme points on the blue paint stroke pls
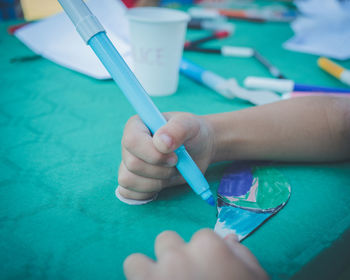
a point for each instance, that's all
(236, 181)
(240, 220)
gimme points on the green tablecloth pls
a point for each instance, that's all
(60, 135)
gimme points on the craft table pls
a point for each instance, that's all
(60, 135)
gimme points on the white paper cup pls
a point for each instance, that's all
(157, 38)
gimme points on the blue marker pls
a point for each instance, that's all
(225, 87)
(95, 36)
(283, 85)
(206, 77)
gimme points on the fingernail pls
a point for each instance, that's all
(166, 139)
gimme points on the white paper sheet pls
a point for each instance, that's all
(322, 29)
(55, 38)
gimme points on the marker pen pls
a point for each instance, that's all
(313, 93)
(253, 15)
(228, 88)
(205, 77)
(214, 36)
(95, 36)
(241, 15)
(274, 71)
(214, 25)
(224, 51)
(283, 85)
(335, 70)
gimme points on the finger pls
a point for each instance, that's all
(176, 132)
(241, 251)
(138, 141)
(141, 184)
(139, 167)
(231, 238)
(125, 193)
(205, 236)
(138, 266)
(138, 183)
(166, 242)
(209, 243)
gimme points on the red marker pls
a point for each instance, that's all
(241, 14)
(214, 36)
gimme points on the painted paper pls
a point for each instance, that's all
(247, 196)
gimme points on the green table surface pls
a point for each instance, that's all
(60, 135)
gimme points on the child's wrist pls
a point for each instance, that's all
(216, 137)
(227, 137)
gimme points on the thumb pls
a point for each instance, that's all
(176, 132)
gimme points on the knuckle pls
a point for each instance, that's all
(124, 179)
(132, 163)
(185, 125)
(131, 121)
(131, 261)
(158, 158)
(134, 118)
(129, 141)
(203, 236)
(185, 116)
(158, 186)
(124, 192)
(170, 172)
(168, 234)
(209, 243)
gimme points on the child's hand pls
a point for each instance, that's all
(206, 256)
(148, 163)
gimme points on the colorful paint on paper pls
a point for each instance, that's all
(247, 196)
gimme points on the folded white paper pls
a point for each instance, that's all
(56, 39)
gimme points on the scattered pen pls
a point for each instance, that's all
(228, 88)
(93, 33)
(259, 15)
(274, 71)
(335, 70)
(25, 58)
(214, 25)
(313, 93)
(253, 15)
(284, 85)
(224, 51)
(241, 15)
(215, 35)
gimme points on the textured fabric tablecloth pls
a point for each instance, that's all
(60, 135)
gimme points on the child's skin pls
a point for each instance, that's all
(305, 129)
(205, 257)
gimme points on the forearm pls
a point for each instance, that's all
(301, 129)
